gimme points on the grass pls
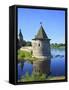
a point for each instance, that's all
(24, 55)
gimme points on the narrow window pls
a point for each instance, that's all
(39, 44)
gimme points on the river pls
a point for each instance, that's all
(57, 64)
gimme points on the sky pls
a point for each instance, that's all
(53, 22)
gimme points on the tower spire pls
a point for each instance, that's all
(20, 35)
(20, 30)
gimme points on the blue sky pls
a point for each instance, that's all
(53, 22)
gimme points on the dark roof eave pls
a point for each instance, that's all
(41, 39)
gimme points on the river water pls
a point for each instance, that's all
(57, 64)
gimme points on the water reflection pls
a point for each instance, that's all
(42, 66)
(57, 65)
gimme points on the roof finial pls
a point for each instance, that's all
(41, 23)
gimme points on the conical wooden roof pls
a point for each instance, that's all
(41, 34)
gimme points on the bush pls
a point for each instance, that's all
(24, 54)
(33, 77)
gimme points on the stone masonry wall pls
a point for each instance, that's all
(41, 48)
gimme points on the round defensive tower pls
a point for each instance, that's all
(41, 50)
(41, 45)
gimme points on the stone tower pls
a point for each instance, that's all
(41, 50)
(41, 45)
(21, 42)
(20, 36)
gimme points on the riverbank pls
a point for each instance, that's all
(56, 78)
(57, 46)
(25, 55)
